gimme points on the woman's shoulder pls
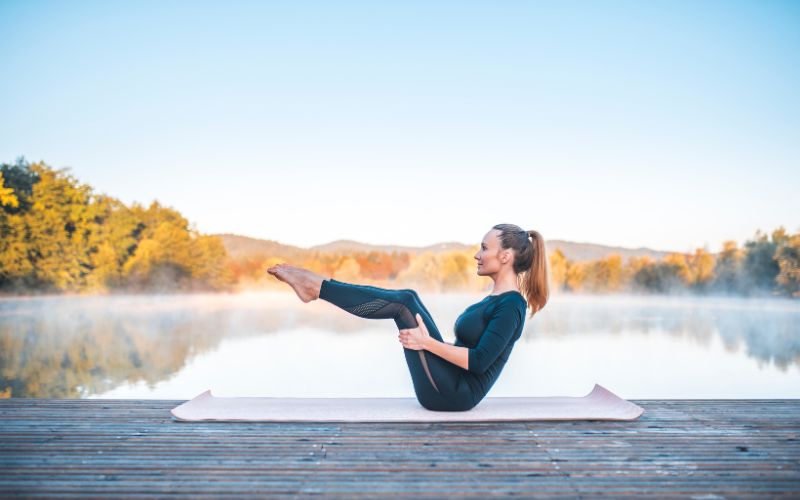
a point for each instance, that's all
(512, 295)
(509, 301)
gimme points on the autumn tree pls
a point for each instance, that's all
(16, 269)
(558, 269)
(728, 268)
(57, 235)
(701, 270)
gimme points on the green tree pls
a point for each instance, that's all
(759, 268)
(788, 258)
(661, 277)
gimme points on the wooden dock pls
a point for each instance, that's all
(701, 449)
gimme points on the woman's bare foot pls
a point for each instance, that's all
(306, 284)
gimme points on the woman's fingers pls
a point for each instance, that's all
(421, 323)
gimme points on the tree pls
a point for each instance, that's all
(759, 268)
(576, 276)
(603, 274)
(58, 235)
(788, 258)
(59, 224)
(728, 268)
(558, 269)
(16, 268)
(211, 262)
(7, 196)
(701, 270)
(349, 270)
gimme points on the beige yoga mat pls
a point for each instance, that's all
(599, 404)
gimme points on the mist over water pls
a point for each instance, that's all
(271, 344)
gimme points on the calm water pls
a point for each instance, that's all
(271, 344)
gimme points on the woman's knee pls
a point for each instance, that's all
(407, 292)
(410, 298)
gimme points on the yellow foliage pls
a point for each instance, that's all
(558, 269)
(349, 270)
(701, 266)
(575, 276)
(7, 196)
(68, 238)
(678, 260)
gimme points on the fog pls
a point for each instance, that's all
(272, 344)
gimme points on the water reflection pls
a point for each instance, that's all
(168, 346)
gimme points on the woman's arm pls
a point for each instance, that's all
(494, 339)
(418, 338)
(454, 354)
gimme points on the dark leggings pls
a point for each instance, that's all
(438, 383)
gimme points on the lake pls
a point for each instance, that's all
(272, 344)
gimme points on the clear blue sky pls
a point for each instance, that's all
(668, 124)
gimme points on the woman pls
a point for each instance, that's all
(450, 377)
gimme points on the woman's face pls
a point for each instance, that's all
(491, 258)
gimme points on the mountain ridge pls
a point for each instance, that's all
(239, 246)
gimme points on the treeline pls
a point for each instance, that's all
(56, 235)
(765, 266)
(429, 271)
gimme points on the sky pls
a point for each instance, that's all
(663, 124)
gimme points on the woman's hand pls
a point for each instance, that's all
(415, 338)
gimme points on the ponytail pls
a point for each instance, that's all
(530, 263)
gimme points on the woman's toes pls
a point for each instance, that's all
(280, 274)
(276, 269)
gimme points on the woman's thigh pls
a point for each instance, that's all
(454, 391)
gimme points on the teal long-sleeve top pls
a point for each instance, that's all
(489, 329)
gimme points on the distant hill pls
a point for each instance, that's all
(578, 252)
(350, 246)
(243, 246)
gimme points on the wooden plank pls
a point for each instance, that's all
(113, 448)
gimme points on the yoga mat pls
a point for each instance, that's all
(599, 404)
